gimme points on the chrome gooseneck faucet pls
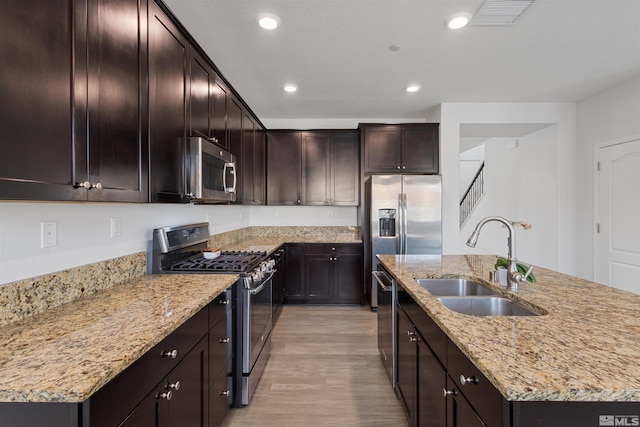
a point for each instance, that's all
(513, 276)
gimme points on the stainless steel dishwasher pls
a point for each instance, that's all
(386, 320)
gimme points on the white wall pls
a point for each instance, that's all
(84, 229)
(609, 115)
(470, 162)
(563, 115)
(520, 184)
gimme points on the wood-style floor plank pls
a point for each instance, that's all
(324, 369)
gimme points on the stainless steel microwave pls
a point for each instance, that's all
(211, 172)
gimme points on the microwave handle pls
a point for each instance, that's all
(224, 177)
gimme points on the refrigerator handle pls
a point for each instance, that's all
(404, 223)
(400, 234)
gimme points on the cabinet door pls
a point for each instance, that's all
(219, 97)
(316, 164)
(189, 405)
(252, 166)
(318, 278)
(36, 106)
(432, 378)
(168, 50)
(145, 414)
(284, 169)
(407, 359)
(347, 278)
(293, 277)
(345, 176)
(235, 134)
(420, 148)
(117, 100)
(381, 145)
(459, 411)
(200, 83)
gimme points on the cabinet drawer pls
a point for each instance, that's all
(220, 306)
(220, 395)
(431, 333)
(333, 248)
(482, 395)
(111, 404)
(220, 350)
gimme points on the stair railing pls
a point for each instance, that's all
(472, 196)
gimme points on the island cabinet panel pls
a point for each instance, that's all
(459, 410)
(284, 168)
(405, 148)
(407, 359)
(168, 56)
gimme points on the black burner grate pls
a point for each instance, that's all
(227, 262)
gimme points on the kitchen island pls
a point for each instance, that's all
(582, 347)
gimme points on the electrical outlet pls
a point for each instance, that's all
(115, 227)
(48, 234)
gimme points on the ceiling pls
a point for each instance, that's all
(337, 53)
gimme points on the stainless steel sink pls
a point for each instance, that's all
(454, 287)
(485, 306)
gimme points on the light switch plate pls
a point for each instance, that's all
(115, 227)
(48, 234)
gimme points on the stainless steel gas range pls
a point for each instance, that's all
(180, 250)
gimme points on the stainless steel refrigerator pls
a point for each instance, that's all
(404, 214)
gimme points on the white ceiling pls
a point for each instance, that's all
(337, 52)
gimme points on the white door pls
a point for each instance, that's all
(618, 243)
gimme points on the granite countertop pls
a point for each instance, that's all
(68, 353)
(585, 348)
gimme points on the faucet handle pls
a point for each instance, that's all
(521, 278)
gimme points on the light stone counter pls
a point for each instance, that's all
(585, 348)
(67, 353)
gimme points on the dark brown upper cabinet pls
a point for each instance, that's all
(73, 101)
(201, 80)
(284, 168)
(168, 59)
(253, 171)
(219, 99)
(330, 168)
(313, 168)
(405, 148)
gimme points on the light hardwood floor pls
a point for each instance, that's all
(324, 369)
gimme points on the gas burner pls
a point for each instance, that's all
(227, 262)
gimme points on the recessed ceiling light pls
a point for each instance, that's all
(268, 21)
(413, 88)
(458, 20)
(290, 88)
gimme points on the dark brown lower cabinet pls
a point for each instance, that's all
(407, 383)
(459, 410)
(293, 278)
(332, 273)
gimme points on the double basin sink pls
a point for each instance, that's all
(472, 298)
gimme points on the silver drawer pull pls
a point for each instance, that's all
(446, 392)
(172, 354)
(174, 386)
(167, 395)
(224, 340)
(223, 302)
(466, 380)
(225, 393)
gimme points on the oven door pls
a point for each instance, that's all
(259, 321)
(211, 172)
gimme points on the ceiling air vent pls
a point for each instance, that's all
(500, 12)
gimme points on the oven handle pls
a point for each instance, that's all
(376, 275)
(259, 289)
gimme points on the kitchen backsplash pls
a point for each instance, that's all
(32, 296)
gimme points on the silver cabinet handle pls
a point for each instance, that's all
(398, 167)
(174, 386)
(166, 395)
(446, 392)
(223, 302)
(224, 340)
(468, 380)
(172, 354)
(86, 185)
(225, 393)
(97, 186)
(412, 336)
